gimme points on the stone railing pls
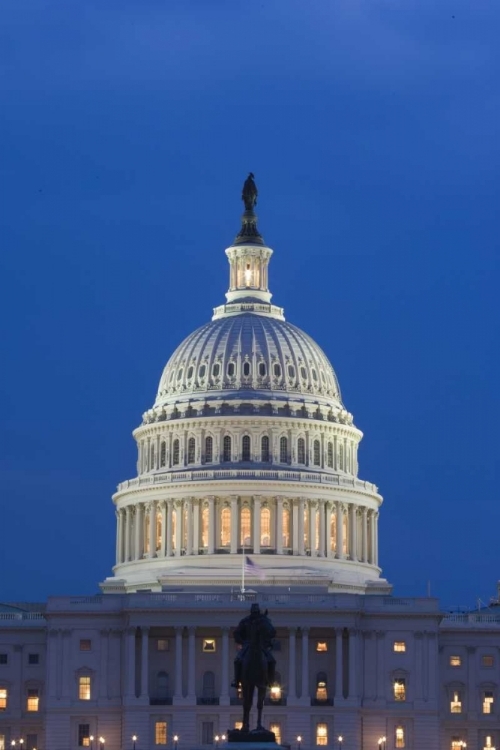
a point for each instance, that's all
(471, 618)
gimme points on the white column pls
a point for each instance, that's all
(256, 524)
(138, 549)
(322, 534)
(145, 662)
(128, 528)
(354, 532)
(340, 531)
(163, 542)
(375, 537)
(292, 661)
(118, 537)
(224, 690)
(329, 513)
(279, 525)
(188, 512)
(301, 526)
(169, 527)
(178, 663)
(339, 667)
(130, 636)
(152, 529)
(234, 524)
(211, 525)
(353, 652)
(372, 537)
(195, 519)
(364, 535)
(305, 663)
(178, 527)
(312, 528)
(191, 663)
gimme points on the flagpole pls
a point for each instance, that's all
(243, 569)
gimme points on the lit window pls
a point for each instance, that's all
(245, 448)
(2, 742)
(455, 661)
(456, 703)
(321, 734)
(456, 743)
(399, 689)
(209, 450)
(488, 742)
(83, 735)
(321, 689)
(487, 661)
(316, 453)
(276, 729)
(225, 527)
(488, 702)
(162, 644)
(33, 700)
(84, 688)
(321, 646)
(3, 698)
(204, 527)
(85, 644)
(283, 450)
(400, 737)
(4, 659)
(265, 527)
(175, 453)
(209, 645)
(275, 692)
(329, 459)
(264, 449)
(301, 451)
(226, 448)
(160, 733)
(245, 539)
(238, 725)
(399, 646)
(33, 659)
(191, 450)
(286, 527)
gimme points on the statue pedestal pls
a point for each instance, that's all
(261, 737)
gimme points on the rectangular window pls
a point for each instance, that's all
(399, 689)
(2, 742)
(487, 661)
(321, 734)
(488, 742)
(456, 743)
(207, 733)
(276, 728)
(399, 646)
(160, 733)
(4, 659)
(456, 703)
(321, 691)
(275, 693)
(31, 741)
(162, 644)
(209, 645)
(32, 700)
(321, 646)
(3, 698)
(33, 659)
(488, 702)
(85, 644)
(455, 661)
(84, 688)
(400, 737)
(83, 735)
(238, 725)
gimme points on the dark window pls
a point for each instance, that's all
(330, 455)
(230, 369)
(262, 369)
(207, 733)
(33, 658)
(83, 735)
(264, 449)
(316, 451)
(190, 373)
(314, 374)
(277, 371)
(175, 453)
(291, 371)
(209, 450)
(303, 373)
(31, 741)
(163, 454)
(246, 369)
(152, 464)
(226, 451)
(283, 450)
(85, 644)
(209, 685)
(301, 451)
(216, 370)
(202, 371)
(191, 450)
(4, 659)
(162, 685)
(179, 374)
(245, 448)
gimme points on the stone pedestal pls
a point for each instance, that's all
(260, 736)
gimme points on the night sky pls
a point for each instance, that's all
(126, 131)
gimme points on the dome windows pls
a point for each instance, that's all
(262, 369)
(163, 454)
(226, 449)
(246, 369)
(216, 370)
(209, 450)
(329, 459)
(191, 450)
(315, 375)
(231, 369)
(303, 373)
(317, 453)
(291, 371)
(264, 449)
(202, 371)
(190, 372)
(301, 451)
(175, 453)
(283, 450)
(277, 370)
(245, 448)
(179, 374)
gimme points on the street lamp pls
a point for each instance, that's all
(134, 740)
(223, 738)
(299, 740)
(217, 738)
(340, 741)
(176, 740)
(91, 740)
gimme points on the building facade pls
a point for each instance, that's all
(247, 489)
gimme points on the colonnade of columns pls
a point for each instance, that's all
(297, 526)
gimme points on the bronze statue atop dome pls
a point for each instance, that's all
(249, 193)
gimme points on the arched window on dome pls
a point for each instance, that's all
(316, 453)
(225, 527)
(245, 448)
(265, 527)
(152, 461)
(204, 527)
(341, 457)
(162, 686)
(175, 453)
(264, 449)
(246, 527)
(301, 451)
(191, 450)
(329, 459)
(163, 454)
(226, 449)
(283, 450)
(158, 529)
(286, 528)
(209, 450)
(333, 533)
(174, 529)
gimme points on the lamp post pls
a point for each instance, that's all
(176, 740)
(340, 741)
(299, 741)
(217, 738)
(134, 740)
(91, 740)
(223, 738)
(101, 743)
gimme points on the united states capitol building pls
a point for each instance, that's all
(247, 489)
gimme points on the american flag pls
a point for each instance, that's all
(253, 569)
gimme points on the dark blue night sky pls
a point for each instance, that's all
(126, 131)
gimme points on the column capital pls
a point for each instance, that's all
(179, 629)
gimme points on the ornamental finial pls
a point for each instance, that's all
(249, 193)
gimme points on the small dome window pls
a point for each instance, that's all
(190, 373)
(291, 371)
(323, 377)
(216, 370)
(202, 371)
(231, 369)
(303, 373)
(262, 369)
(179, 374)
(246, 369)
(315, 375)
(171, 376)
(277, 370)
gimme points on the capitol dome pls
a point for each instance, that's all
(247, 460)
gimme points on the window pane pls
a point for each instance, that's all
(204, 527)
(245, 539)
(84, 688)
(399, 690)
(265, 527)
(276, 728)
(225, 527)
(191, 450)
(207, 733)
(283, 450)
(209, 450)
(456, 703)
(286, 527)
(400, 737)
(161, 733)
(316, 450)
(32, 700)
(264, 449)
(321, 734)
(3, 698)
(455, 661)
(301, 451)
(399, 646)
(175, 453)
(245, 448)
(85, 644)
(226, 454)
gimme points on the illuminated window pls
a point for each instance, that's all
(3, 698)
(456, 703)
(487, 661)
(345, 525)
(301, 451)
(455, 661)
(399, 689)
(264, 449)
(488, 742)
(316, 453)
(399, 646)
(286, 527)
(245, 537)
(160, 733)
(33, 659)
(245, 448)
(321, 688)
(209, 450)
(85, 644)
(333, 533)
(33, 699)
(488, 702)
(276, 729)
(204, 527)
(146, 533)
(265, 527)
(83, 735)
(306, 525)
(400, 737)
(163, 454)
(225, 527)
(162, 644)
(191, 450)
(275, 692)
(226, 448)
(238, 725)
(209, 645)
(316, 532)
(175, 453)
(185, 522)
(329, 458)
(158, 529)
(283, 450)
(174, 528)
(84, 688)
(2, 742)
(321, 646)
(456, 743)
(321, 734)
